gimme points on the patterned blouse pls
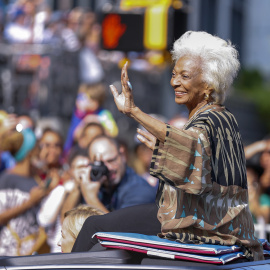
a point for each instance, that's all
(202, 195)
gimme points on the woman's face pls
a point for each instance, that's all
(51, 148)
(67, 240)
(187, 82)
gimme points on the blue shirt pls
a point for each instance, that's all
(6, 161)
(132, 190)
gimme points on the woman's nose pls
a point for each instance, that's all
(175, 81)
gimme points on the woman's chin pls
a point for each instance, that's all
(179, 100)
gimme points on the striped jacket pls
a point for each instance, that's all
(202, 195)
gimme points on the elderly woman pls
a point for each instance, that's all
(202, 195)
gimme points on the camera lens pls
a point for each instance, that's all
(98, 170)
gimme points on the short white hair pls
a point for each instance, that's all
(219, 60)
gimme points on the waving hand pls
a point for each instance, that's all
(124, 101)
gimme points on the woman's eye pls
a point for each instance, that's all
(185, 76)
(173, 74)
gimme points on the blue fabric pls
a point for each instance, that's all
(153, 252)
(153, 245)
(132, 190)
(157, 242)
(7, 161)
(29, 142)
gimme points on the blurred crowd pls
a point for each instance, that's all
(46, 180)
(51, 181)
(32, 21)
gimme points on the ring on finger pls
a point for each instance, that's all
(129, 85)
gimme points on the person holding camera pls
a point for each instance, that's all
(110, 183)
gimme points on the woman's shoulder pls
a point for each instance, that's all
(216, 119)
(218, 114)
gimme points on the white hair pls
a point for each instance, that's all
(219, 60)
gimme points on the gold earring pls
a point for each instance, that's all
(206, 97)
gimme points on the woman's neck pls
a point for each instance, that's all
(193, 110)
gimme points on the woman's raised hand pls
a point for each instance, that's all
(124, 101)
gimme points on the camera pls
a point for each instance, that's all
(98, 170)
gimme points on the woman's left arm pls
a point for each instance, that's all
(183, 160)
(125, 104)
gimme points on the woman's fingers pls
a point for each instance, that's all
(147, 135)
(114, 91)
(147, 138)
(143, 140)
(124, 74)
(124, 80)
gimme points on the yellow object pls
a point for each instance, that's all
(156, 58)
(3, 116)
(129, 4)
(156, 24)
(177, 4)
(122, 62)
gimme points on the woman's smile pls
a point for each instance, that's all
(180, 93)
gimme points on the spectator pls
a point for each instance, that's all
(69, 34)
(259, 202)
(265, 163)
(20, 195)
(25, 121)
(72, 224)
(90, 31)
(89, 132)
(51, 145)
(261, 149)
(78, 161)
(8, 123)
(88, 108)
(27, 22)
(121, 186)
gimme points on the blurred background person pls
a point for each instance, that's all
(259, 152)
(27, 22)
(8, 123)
(78, 162)
(118, 186)
(20, 195)
(88, 108)
(69, 33)
(88, 132)
(51, 147)
(259, 201)
(73, 221)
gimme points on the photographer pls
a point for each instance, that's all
(118, 185)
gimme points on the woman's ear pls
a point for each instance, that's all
(209, 90)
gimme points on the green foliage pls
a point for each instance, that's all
(253, 86)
